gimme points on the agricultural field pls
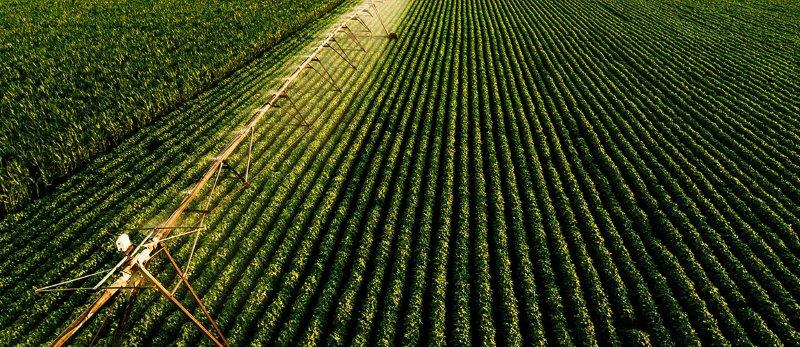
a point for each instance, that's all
(67, 94)
(520, 172)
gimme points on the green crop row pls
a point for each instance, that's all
(522, 172)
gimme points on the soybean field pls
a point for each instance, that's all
(516, 172)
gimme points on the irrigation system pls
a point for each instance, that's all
(132, 273)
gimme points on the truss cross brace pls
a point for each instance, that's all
(236, 173)
(341, 52)
(182, 278)
(327, 76)
(378, 15)
(353, 36)
(298, 115)
(160, 288)
(252, 131)
(363, 23)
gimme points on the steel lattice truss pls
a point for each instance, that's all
(132, 273)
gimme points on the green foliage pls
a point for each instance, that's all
(76, 77)
(521, 172)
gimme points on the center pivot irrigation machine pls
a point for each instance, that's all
(133, 271)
